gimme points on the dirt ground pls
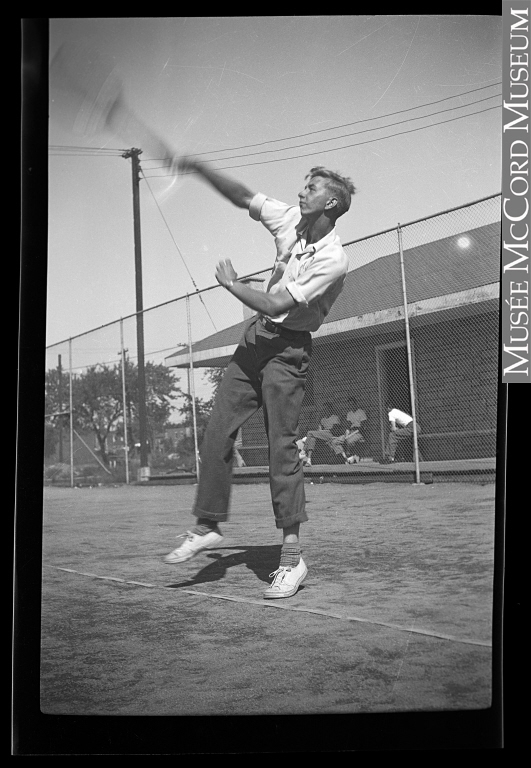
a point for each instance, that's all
(394, 616)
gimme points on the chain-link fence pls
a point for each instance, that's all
(407, 359)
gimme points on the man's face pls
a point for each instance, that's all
(314, 197)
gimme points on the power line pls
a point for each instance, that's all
(85, 154)
(337, 149)
(97, 150)
(346, 125)
(345, 135)
(85, 149)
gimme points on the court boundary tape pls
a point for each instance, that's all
(273, 604)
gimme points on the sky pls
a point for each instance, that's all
(222, 83)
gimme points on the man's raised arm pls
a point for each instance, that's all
(233, 190)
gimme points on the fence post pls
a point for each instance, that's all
(71, 399)
(409, 359)
(126, 441)
(192, 386)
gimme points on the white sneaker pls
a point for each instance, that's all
(192, 546)
(286, 580)
(307, 462)
(353, 460)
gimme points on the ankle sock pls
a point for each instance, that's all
(205, 526)
(290, 554)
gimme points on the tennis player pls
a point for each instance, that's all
(270, 365)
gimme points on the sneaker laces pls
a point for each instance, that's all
(280, 572)
(188, 535)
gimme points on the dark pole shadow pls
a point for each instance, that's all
(261, 560)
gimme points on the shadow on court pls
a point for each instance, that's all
(395, 614)
(262, 561)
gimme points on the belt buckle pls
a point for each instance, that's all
(269, 326)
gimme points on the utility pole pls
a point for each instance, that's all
(142, 417)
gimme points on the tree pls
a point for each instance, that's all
(97, 398)
(214, 375)
(55, 403)
(161, 388)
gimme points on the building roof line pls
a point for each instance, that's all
(456, 300)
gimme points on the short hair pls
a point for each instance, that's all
(341, 187)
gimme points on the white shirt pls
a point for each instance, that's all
(399, 417)
(314, 275)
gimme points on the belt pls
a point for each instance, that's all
(288, 333)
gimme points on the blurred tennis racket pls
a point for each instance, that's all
(87, 95)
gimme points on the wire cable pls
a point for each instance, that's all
(338, 149)
(344, 136)
(178, 250)
(88, 151)
(346, 125)
(96, 150)
(93, 149)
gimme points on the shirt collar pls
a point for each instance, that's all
(301, 230)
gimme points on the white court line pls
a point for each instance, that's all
(266, 604)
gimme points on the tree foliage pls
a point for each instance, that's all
(98, 402)
(97, 396)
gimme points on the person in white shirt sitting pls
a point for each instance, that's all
(401, 428)
(238, 458)
(354, 430)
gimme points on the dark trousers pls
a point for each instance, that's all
(399, 434)
(267, 370)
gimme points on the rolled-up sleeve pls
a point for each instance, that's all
(325, 270)
(255, 206)
(279, 218)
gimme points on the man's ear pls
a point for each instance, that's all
(332, 203)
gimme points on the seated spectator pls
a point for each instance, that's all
(301, 445)
(354, 430)
(237, 457)
(328, 430)
(401, 428)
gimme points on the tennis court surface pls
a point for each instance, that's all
(394, 616)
